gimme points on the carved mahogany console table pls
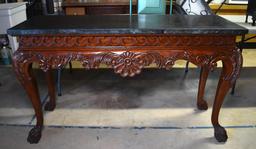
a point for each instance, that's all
(126, 44)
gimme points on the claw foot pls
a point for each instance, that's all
(220, 134)
(202, 105)
(34, 135)
(49, 106)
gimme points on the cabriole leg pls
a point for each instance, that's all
(219, 132)
(51, 104)
(201, 103)
(25, 75)
(230, 72)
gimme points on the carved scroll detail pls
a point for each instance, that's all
(125, 63)
(97, 41)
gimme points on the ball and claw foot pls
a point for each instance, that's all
(34, 135)
(49, 106)
(202, 105)
(220, 134)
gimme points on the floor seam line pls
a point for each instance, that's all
(139, 128)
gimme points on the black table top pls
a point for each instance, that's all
(125, 24)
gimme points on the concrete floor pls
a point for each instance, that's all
(155, 109)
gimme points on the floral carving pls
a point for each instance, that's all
(127, 64)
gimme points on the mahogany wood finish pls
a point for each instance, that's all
(27, 79)
(127, 55)
(51, 104)
(201, 103)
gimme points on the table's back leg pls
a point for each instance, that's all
(230, 71)
(201, 103)
(51, 104)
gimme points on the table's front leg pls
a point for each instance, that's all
(23, 70)
(230, 72)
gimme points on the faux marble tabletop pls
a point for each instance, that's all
(125, 24)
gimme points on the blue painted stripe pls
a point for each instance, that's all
(138, 128)
(200, 127)
(162, 127)
(16, 125)
(243, 126)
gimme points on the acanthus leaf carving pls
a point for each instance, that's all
(125, 63)
(235, 62)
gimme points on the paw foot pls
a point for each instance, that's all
(202, 105)
(49, 106)
(220, 134)
(34, 135)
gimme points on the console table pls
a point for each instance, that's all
(127, 44)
